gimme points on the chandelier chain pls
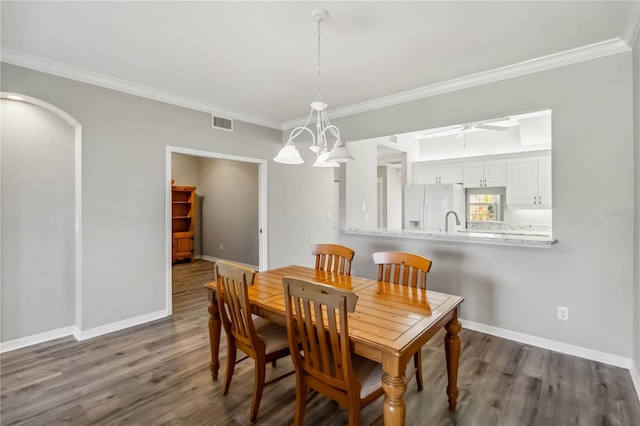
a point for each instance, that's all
(318, 97)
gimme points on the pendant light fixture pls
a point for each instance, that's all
(339, 154)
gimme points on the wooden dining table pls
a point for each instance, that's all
(390, 323)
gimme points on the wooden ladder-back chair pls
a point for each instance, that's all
(409, 270)
(260, 339)
(333, 257)
(316, 316)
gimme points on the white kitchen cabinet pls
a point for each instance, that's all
(425, 174)
(483, 174)
(544, 181)
(529, 182)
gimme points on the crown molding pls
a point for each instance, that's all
(556, 60)
(632, 28)
(37, 63)
(531, 66)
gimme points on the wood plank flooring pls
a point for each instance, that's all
(158, 374)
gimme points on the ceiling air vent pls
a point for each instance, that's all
(393, 139)
(222, 123)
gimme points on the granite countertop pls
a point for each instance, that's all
(523, 238)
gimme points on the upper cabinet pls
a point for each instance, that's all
(529, 182)
(481, 174)
(425, 173)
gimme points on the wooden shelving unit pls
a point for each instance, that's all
(183, 201)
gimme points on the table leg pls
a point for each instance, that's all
(452, 350)
(214, 334)
(394, 384)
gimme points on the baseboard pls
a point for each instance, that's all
(22, 342)
(635, 378)
(80, 334)
(213, 259)
(120, 325)
(553, 345)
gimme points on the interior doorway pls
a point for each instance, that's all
(208, 251)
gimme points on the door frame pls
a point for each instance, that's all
(263, 256)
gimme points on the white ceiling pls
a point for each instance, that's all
(258, 58)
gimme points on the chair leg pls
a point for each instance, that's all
(417, 360)
(231, 363)
(258, 386)
(354, 413)
(301, 402)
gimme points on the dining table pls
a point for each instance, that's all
(391, 322)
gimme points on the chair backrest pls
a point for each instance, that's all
(402, 268)
(333, 257)
(233, 282)
(315, 315)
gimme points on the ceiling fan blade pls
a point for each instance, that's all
(441, 130)
(489, 127)
(461, 133)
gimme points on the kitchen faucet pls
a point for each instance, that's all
(446, 220)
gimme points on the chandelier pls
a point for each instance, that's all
(325, 158)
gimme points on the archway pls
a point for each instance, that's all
(41, 222)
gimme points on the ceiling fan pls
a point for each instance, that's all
(460, 130)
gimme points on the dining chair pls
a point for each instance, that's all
(316, 316)
(260, 339)
(333, 257)
(409, 270)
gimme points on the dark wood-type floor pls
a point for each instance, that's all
(158, 374)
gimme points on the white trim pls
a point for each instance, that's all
(49, 107)
(262, 218)
(79, 74)
(34, 339)
(210, 154)
(168, 254)
(215, 259)
(635, 378)
(120, 325)
(553, 345)
(263, 252)
(78, 226)
(555, 60)
(632, 28)
(81, 334)
(531, 66)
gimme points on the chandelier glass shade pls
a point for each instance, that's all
(324, 130)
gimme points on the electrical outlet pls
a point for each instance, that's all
(563, 313)
(221, 247)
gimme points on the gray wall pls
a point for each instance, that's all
(362, 189)
(124, 148)
(38, 210)
(636, 156)
(230, 209)
(590, 269)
